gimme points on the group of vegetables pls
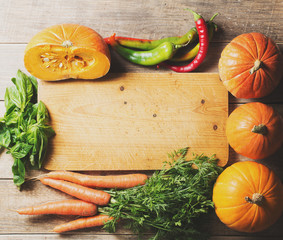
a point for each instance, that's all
(176, 49)
(169, 202)
(247, 196)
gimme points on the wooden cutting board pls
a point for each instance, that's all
(130, 121)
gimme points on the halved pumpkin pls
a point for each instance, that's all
(67, 51)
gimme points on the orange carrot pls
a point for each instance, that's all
(98, 220)
(112, 181)
(65, 207)
(84, 193)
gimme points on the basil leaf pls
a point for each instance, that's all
(14, 97)
(19, 172)
(12, 118)
(42, 113)
(32, 113)
(23, 129)
(5, 136)
(20, 150)
(24, 87)
(9, 104)
(35, 87)
(43, 148)
(47, 130)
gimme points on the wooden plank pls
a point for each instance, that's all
(274, 162)
(71, 237)
(130, 121)
(112, 237)
(36, 193)
(13, 54)
(155, 19)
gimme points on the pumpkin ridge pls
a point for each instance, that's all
(70, 37)
(237, 76)
(272, 52)
(249, 111)
(260, 180)
(257, 50)
(64, 33)
(244, 48)
(257, 82)
(241, 217)
(264, 190)
(254, 180)
(267, 192)
(55, 35)
(256, 212)
(84, 37)
(271, 56)
(247, 180)
(273, 81)
(240, 205)
(261, 79)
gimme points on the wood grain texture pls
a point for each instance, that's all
(131, 121)
(274, 162)
(20, 20)
(36, 193)
(13, 54)
(112, 237)
(143, 19)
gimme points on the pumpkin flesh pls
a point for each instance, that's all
(242, 180)
(67, 51)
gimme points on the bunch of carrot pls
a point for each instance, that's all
(81, 186)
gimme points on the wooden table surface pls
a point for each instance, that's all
(20, 20)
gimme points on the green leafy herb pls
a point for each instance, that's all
(170, 202)
(24, 129)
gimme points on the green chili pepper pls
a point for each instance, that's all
(188, 53)
(145, 44)
(147, 58)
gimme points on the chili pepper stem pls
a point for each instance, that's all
(196, 16)
(212, 18)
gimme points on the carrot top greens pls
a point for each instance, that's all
(23, 129)
(171, 201)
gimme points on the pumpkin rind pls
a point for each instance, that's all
(241, 180)
(67, 51)
(242, 137)
(239, 57)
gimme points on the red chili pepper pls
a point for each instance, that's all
(203, 47)
(117, 38)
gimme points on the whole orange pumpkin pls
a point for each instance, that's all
(254, 130)
(250, 66)
(67, 51)
(248, 197)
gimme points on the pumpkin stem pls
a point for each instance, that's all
(261, 129)
(257, 65)
(257, 199)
